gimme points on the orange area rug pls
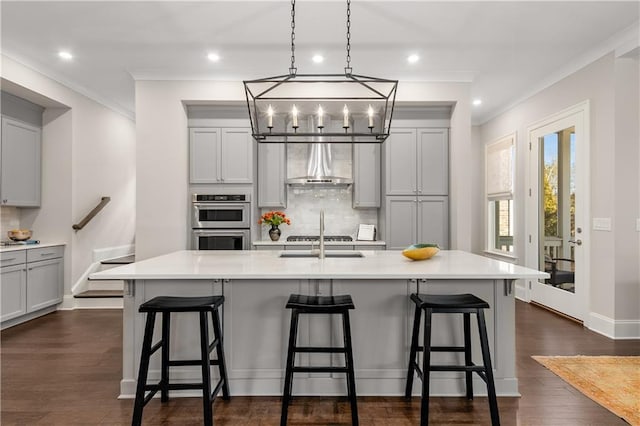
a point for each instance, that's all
(611, 381)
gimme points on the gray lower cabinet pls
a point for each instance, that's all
(32, 280)
(44, 281)
(20, 171)
(220, 155)
(14, 291)
(411, 220)
(366, 176)
(272, 173)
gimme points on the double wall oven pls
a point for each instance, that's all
(221, 222)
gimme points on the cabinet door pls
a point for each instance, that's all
(433, 164)
(366, 175)
(433, 221)
(13, 293)
(401, 162)
(272, 191)
(21, 166)
(204, 158)
(402, 219)
(44, 283)
(236, 156)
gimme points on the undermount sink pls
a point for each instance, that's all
(329, 253)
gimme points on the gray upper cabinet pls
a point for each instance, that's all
(401, 165)
(417, 162)
(272, 171)
(20, 175)
(220, 155)
(236, 154)
(433, 161)
(204, 160)
(366, 175)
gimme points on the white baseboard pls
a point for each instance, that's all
(99, 303)
(112, 252)
(106, 285)
(614, 329)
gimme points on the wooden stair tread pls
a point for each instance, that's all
(123, 260)
(99, 293)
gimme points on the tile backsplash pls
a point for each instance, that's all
(304, 206)
(9, 219)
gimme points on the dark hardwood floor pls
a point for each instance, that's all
(65, 369)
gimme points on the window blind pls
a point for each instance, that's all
(500, 169)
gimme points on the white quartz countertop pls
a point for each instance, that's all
(29, 246)
(376, 264)
(326, 243)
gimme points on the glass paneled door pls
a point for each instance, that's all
(557, 233)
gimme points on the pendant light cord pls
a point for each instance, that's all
(348, 69)
(293, 70)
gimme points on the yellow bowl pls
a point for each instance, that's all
(421, 251)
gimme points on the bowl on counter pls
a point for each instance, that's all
(421, 251)
(19, 234)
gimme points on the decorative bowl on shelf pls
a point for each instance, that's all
(19, 234)
(421, 251)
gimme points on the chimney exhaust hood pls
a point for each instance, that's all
(319, 165)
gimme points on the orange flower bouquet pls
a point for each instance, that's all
(274, 218)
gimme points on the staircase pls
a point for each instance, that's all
(104, 294)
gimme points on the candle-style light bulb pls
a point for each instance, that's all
(270, 117)
(294, 113)
(370, 111)
(345, 112)
(320, 117)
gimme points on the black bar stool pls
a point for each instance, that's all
(301, 304)
(465, 304)
(166, 305)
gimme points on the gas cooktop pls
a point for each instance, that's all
(317, 238)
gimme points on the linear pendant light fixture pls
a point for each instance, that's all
(320, 108)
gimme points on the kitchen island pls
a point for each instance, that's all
(257, 284)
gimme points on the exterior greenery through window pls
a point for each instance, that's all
(499, 162)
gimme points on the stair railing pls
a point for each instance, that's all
(103, 202)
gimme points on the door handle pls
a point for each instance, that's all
(577, 242)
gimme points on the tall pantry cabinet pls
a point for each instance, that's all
(417, 187)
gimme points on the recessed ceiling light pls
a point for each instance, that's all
(65, 55)
(413, 59)
(317, 59)
(213, 57)
(477, 102)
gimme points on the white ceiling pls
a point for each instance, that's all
(506, 49)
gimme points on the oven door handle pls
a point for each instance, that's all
(221, 205)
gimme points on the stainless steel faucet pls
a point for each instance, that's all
(321, 254)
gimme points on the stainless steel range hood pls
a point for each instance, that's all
(319, 165)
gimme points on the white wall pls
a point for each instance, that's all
(611, 114)
(88, 152)
(162, 156)
(627, 183)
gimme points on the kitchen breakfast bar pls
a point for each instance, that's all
(257, 284)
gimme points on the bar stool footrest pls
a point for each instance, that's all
(320, 370)
(315, 349)
(472, 368)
